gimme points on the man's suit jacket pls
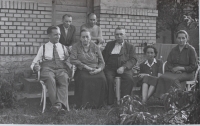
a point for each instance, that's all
(127, 54)
(71, 35)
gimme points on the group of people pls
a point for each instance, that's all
(97, 67)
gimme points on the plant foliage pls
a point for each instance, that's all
(180, 107)
(173, 13)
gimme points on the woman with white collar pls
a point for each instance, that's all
(150, 70)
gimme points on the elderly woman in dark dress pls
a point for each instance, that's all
(90, 81)
(150, 70)
(180, 67)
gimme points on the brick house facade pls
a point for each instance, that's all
(24, 23)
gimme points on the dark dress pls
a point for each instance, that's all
(187, 58)
(90, 90)
(152, 71)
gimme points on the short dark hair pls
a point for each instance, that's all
(150, 46)
(84, 30)
(66, 15)
(91, 14)
(120, 28)
(49, 29)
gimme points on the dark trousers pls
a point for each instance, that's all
(127, 83)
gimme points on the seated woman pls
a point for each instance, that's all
(90, 81)
(150, 70)
(180, 67)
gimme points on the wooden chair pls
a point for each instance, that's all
(190, 85)
(45, 91)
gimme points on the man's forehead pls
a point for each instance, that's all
(92, 16)
(68, 18)
(56, 30)
(85, 33)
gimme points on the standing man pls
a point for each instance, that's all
(95, 31)
(68, 31)
(53, 58)
(119, 57)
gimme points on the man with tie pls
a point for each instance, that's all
(68, 31)
(119, 57)
(52, 60)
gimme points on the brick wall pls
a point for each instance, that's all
(140, 24)
(23, 25)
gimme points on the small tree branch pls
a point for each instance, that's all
(187, 106)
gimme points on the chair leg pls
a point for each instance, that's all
(117, 80)
(67, 104)
(42, 96)
(44, 103)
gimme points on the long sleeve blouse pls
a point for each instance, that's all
(93, 58)
(186, 58)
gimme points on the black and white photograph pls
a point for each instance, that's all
(99, 62)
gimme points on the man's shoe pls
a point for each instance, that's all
(56, 107)
(62, 111)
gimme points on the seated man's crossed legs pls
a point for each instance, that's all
(57, 83)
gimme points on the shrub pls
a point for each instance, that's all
(181, 107)
(7, 94)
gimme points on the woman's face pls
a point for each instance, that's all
(85, 38)
(181, 39)
(150, 53)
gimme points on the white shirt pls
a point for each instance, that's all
(49, 53)
(66, 30)
(150, 65)
(117, 48)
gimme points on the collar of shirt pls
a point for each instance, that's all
(147, 63)
(65, 27)
(121, 44)
(186, 45)
(51, 43)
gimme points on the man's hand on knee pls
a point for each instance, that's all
(121, 70)
(36, 67)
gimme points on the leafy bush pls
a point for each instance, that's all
(7, 96)
(131, 111)
(10, 74)
(181, 107)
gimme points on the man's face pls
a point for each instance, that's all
(92, 20)
(120, 35)
(55, 35)
(85, 38)
(67, 21)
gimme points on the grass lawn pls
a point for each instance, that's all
(28, 111)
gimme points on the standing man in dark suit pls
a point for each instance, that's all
(68, 31)
(119, 57)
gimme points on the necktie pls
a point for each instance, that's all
(55, 53)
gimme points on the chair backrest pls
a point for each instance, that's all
(163, 67)
(196, 73)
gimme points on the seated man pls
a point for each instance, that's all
(119, 57)
(95, 31)
(53, 58)
(68, 31)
